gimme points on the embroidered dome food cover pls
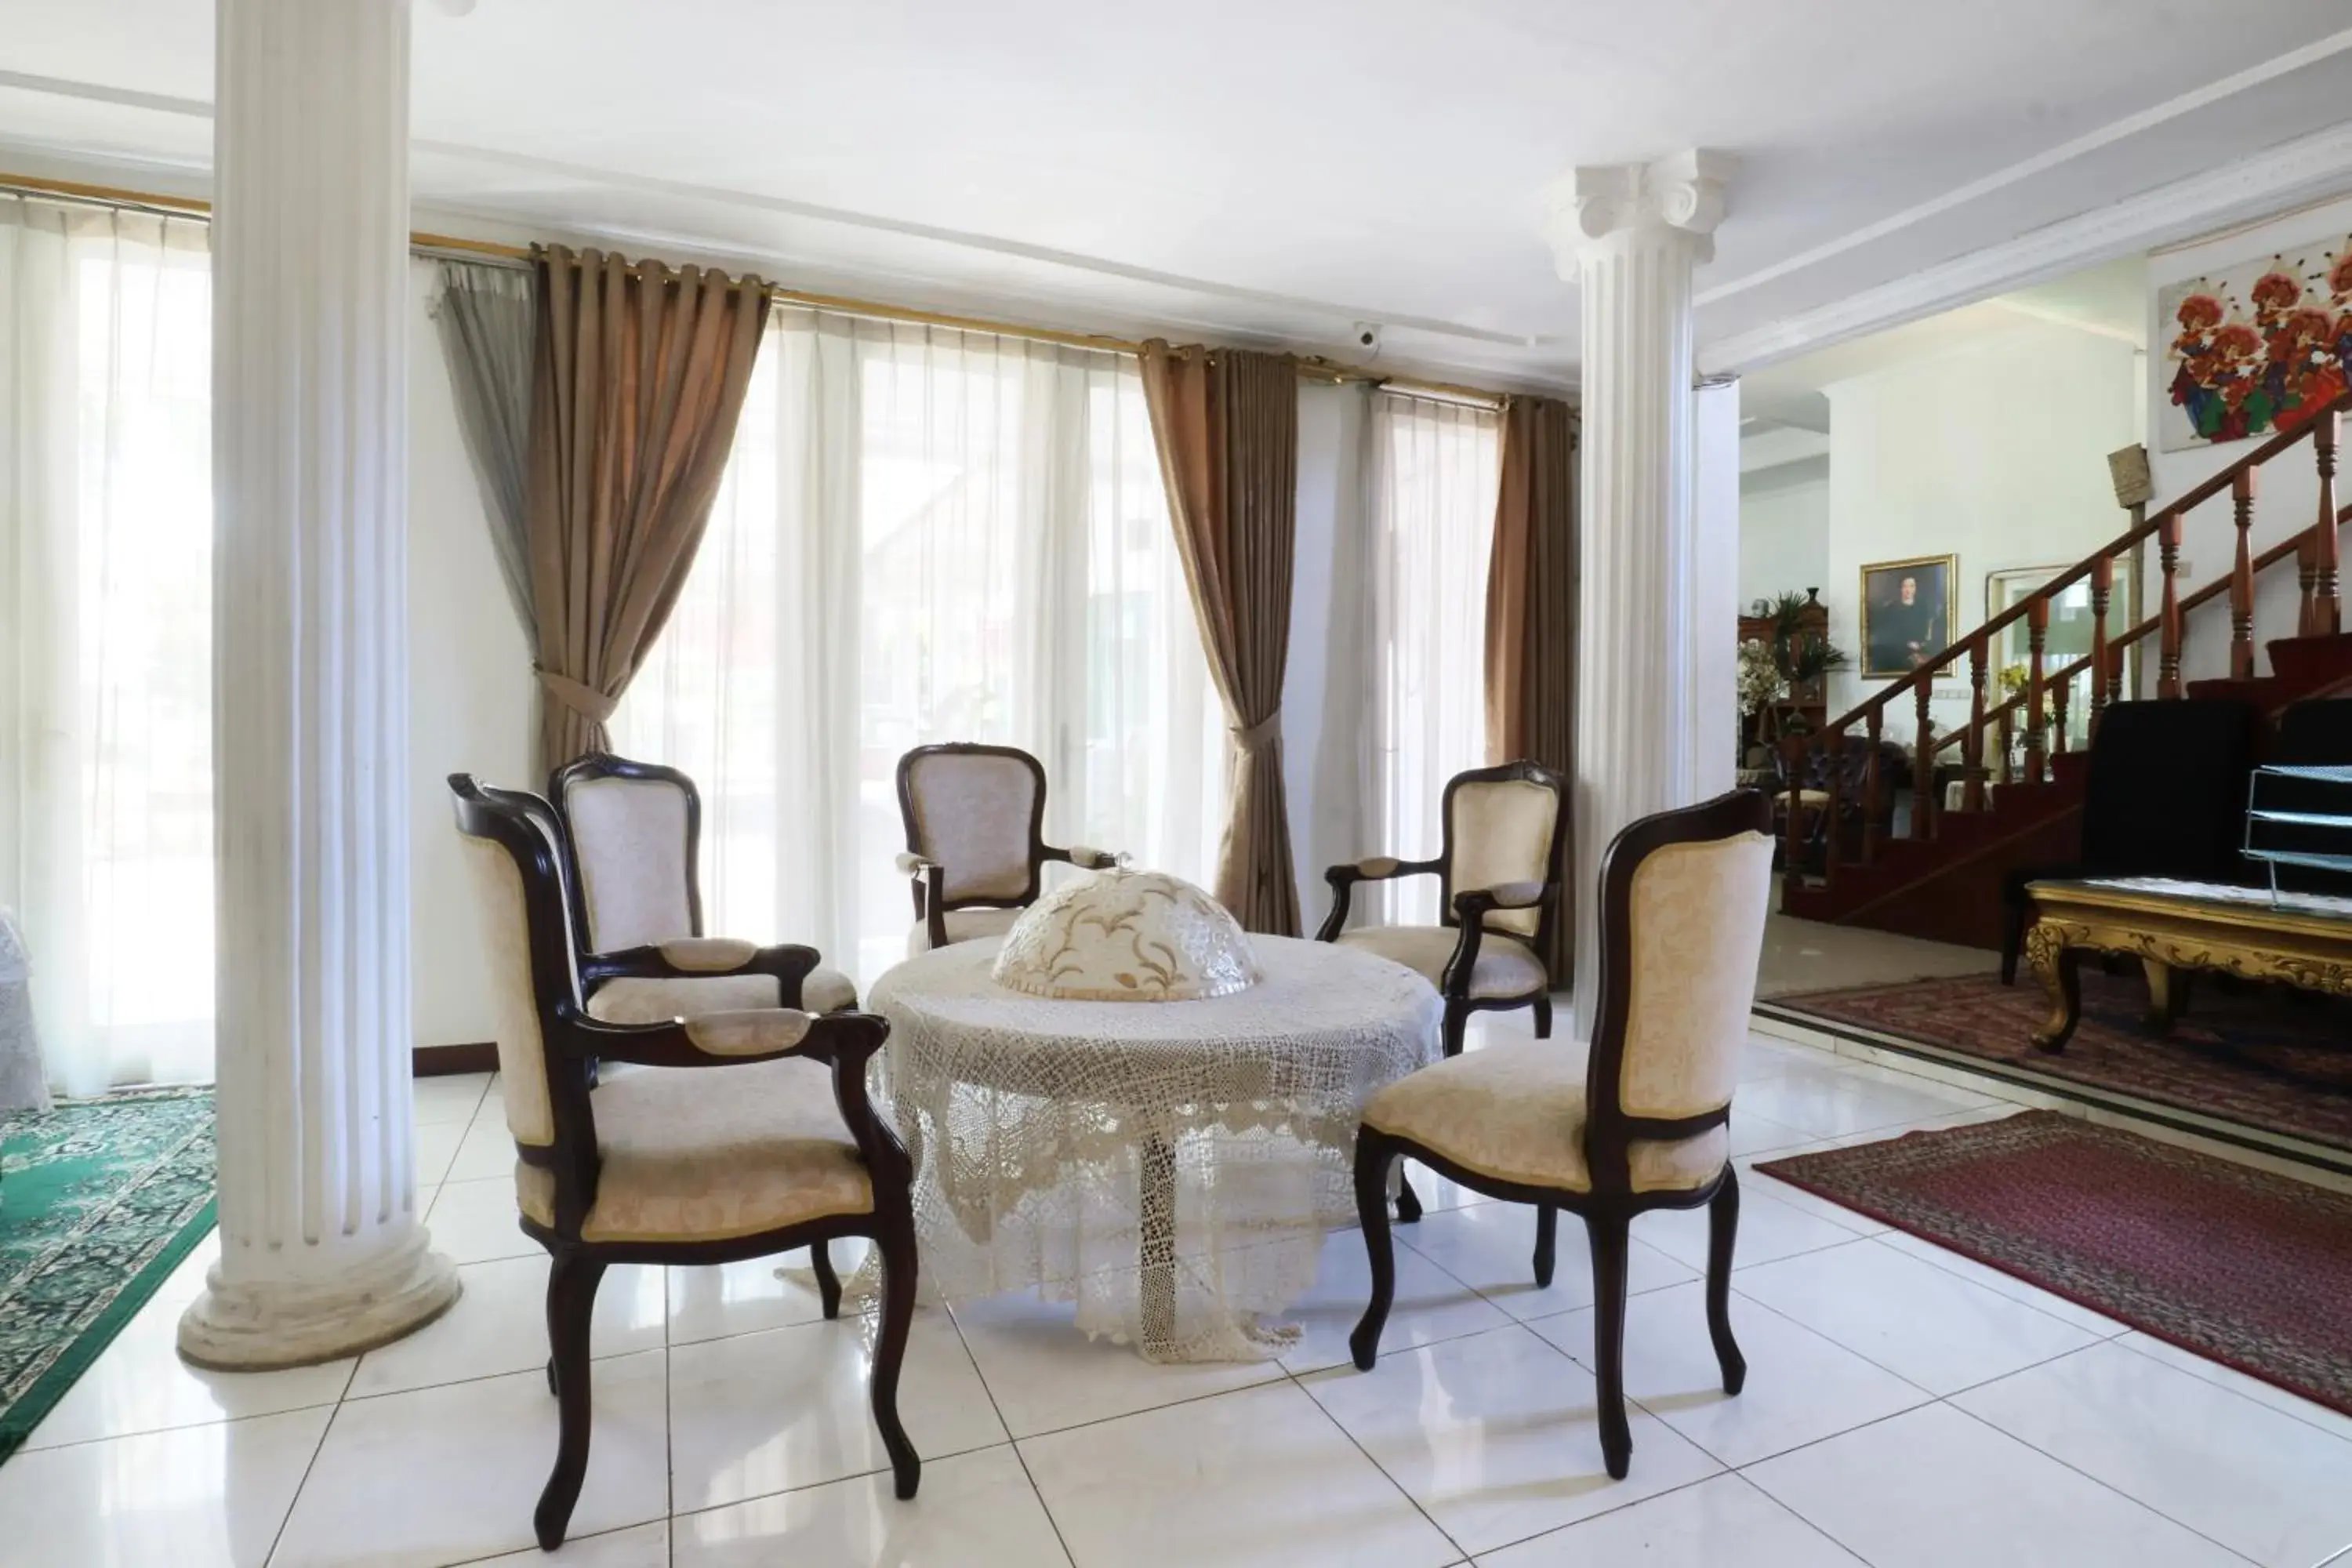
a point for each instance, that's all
(1127, 936)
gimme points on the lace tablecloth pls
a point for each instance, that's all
(1168, 1166)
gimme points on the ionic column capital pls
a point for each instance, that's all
(1678, 199)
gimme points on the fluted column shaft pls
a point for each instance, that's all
(1629, 235)
(322, 1252)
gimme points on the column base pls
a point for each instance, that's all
(258, 1325)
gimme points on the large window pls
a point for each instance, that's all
(1435, 472)
(927, 535)
(106, 636)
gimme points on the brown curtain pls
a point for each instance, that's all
(1531, 614)
(1227, 428)
(640, 373)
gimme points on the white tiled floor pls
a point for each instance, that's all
(1903, 1408)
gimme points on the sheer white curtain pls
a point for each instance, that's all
(105, 636)
(926, 535)
(1435, 469)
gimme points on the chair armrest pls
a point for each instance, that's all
(913, 863)
(699, 958)
(930, 893)
(1087, 860)
(1478, 902)
(1373, 869)
(722, 1039)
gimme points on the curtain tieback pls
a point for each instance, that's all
(1257, 736)
(586, 700)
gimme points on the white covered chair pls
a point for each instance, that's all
(1497, 869)
(1642, 1120)
(975, 820)
(632, 831)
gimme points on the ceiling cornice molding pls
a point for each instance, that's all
(2311, 168)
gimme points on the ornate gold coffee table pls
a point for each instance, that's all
(2303, 938)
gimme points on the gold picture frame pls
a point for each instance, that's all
(1900, 634)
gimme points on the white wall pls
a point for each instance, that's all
(1784, 530)
(469, 687)
(1996, 452)
(2288, 497)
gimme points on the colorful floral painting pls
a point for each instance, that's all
(2257, 347)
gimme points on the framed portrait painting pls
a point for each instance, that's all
(1907, 613)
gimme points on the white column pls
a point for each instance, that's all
(321, 1254)
(1628, 235)
(1713, 754)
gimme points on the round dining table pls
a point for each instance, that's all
(1170, 1167)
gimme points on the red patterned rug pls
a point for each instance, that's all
(2246, 1268)
(2262, 1056)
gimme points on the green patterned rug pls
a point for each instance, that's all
(99, 1200)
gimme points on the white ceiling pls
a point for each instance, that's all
(1275, 168)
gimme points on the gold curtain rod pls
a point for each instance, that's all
(1312, 367)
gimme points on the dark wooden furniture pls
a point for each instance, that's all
(613, 1170)
(2164, 795)
(1805, 708)
(976, 849)
(1640, 1124)
(1498, 870)
(2177, 927)
(630, 833)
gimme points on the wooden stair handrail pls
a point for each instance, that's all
(2118, 641)
(2195, 495)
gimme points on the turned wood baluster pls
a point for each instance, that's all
(2306, 573)
(2115, 676)
(1793, 847)
(2241, 579)
(2168, 653)
(1835, 750)
(2007, 768)
(2103, 581)
(1973, 795)
(2327, 611)
(1872, 791)
(2037, 734)
(1923, 771)
(2059, 690)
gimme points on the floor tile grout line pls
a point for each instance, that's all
(2014, 1301)
(1069, 1558)
(2319, 1426)
(2094, 1480)
(1381, 1470)
(294, 1499)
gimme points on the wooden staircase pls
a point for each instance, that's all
(1942, 880)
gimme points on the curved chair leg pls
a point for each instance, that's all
(1373, 1155)
(1546, 1237)
(1543, 1017)
(897, 1245)
(1408, 1202)
(570, 1298)
(1722, 1231)
(1610, 1237)
(1457, 1021)
(828, 1283)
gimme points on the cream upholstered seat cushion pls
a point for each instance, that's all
(1502, 833)
(711, 1153)
(629, 837)
(635, 999)
(973, 814)
(963, 925)
(1514, 1111)
(1506, 966)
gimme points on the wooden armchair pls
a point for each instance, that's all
(631, 832)
(1638, 1123)
(734, 1134)
(975, 821)
(1497, 869)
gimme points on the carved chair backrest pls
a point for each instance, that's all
(634, 828)
(1683, 902)
(517, 860)
(1503, 825)
(980, 812)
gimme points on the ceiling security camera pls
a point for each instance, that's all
(1368, 336)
